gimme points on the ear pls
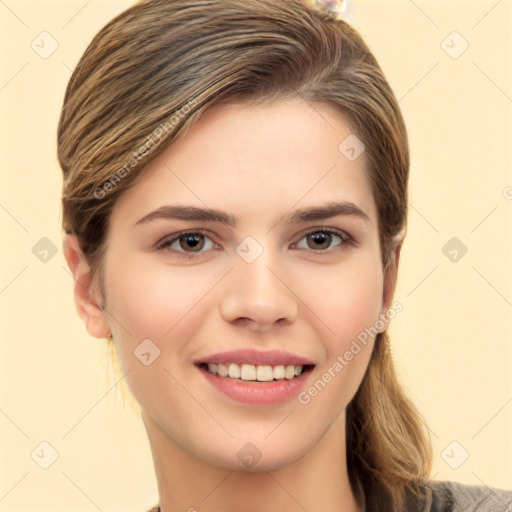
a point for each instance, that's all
(87, 299)
(390, 276)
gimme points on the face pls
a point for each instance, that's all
(278, 287)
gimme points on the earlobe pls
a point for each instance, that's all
(87, 300)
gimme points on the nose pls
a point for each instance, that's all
(259, 295)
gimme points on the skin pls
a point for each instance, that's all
(257, 163)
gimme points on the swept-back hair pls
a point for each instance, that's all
(150, 74)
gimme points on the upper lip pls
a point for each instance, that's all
(255, 357)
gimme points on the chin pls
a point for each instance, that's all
(252, 456)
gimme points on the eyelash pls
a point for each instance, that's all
(346, 241)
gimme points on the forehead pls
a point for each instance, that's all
(254, 158)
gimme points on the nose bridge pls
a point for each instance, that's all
(257, 288)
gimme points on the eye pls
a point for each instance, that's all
(194, 243)
(321, 239)
(189, 242)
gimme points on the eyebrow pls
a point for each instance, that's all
(314, 213)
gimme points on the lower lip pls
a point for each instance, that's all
(257, 393)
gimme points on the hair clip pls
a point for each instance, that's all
(333, 8)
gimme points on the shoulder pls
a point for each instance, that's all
(453, 496)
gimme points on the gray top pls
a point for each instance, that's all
(455, 497)
(452, 496)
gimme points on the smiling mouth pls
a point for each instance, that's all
(256, 373)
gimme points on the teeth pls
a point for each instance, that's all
(234, 371)
(260, 373)
(279, 372)
(248, 372)
(289, 372)
(264, 373)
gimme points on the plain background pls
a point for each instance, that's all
(451, 342)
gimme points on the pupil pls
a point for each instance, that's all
(321, 237)
(192, 241)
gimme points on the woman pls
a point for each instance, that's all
(235, 201)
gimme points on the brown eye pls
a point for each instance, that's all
(192, 241)
(319, 240)
(187, 243)
(325, 240)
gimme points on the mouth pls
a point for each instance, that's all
(254, 377)
(256, 373)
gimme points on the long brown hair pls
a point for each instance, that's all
(149, 75)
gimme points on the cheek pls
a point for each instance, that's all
(346, 299)
(357, 306)
(350, 308)
(153, 297)
(159, 303)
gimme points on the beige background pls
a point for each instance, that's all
(452, 342)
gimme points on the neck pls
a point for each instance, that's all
(316, 482)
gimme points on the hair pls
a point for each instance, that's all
(145, 80)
